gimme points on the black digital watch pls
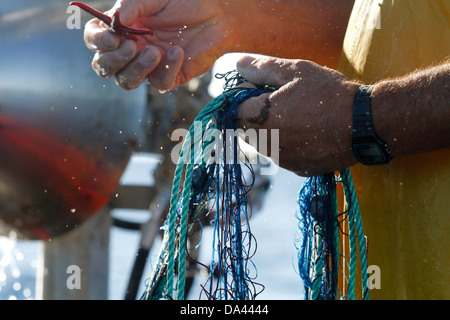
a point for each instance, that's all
(368, 148)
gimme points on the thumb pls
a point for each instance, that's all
(265, 70)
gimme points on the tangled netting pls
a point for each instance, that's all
(210, 182)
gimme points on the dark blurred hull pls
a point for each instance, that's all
(65, 134)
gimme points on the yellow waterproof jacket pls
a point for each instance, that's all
(405, 205)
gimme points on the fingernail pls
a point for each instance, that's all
(174, 53)
(148, 56)
(108, 41)
(128, 49)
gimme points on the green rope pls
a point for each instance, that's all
(185, 204)
(355, 220)
(352, 241)
(318, 269)
(324, 239)
(204, 117)
(172, 219)
(183, 231)
(337, 237)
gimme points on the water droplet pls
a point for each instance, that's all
(26, 293)
(18, 255)
(17, 286)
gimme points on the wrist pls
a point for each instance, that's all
(382, 95)
(260, 26)
(233, 34)
(256, 27)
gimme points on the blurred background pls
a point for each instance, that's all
(85, 169)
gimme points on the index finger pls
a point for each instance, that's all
(98, 38)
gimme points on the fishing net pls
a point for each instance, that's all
(210, 185)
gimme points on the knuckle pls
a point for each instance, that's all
(93, 36)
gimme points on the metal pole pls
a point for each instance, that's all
(75, 265)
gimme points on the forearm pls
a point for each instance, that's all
(304, 29)
(412, 114)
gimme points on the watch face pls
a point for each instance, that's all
(369, 153)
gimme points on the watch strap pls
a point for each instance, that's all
(362, 113)
(368, 148)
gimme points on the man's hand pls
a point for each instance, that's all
(312, 108)
(188, 37)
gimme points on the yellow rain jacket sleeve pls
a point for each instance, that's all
(405, 205)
